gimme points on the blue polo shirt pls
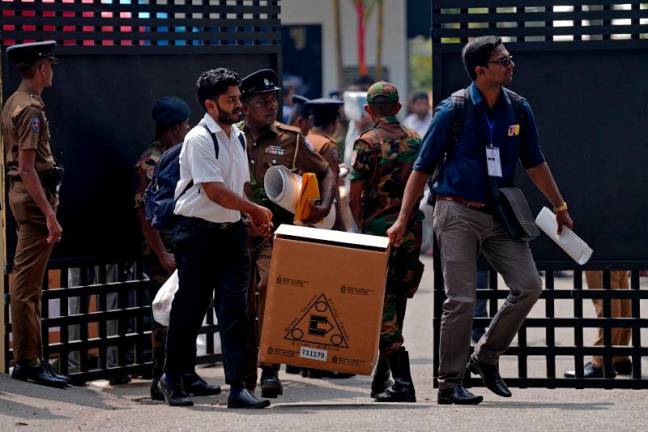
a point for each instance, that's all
(464, 172)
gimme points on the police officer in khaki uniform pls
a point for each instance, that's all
(272, 143)
(324, 119)
(33, 181)
(300, 115)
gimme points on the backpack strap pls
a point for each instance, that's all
(458, 113)
(241, 138)
(214, 140)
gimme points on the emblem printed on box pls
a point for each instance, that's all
(313, 354)
(318, 325)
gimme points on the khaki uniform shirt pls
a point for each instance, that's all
(25, 127)
(325, 146)
(280, 144)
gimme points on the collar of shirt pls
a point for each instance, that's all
(272, 129)
(478, 99)
(34, 97)
(387, 120)
(217, 129)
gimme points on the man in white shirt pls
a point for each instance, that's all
(421, 116)
(209, 239)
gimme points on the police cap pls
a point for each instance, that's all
(29, 53)
(259, 82)
(170, 110)
(325, 110)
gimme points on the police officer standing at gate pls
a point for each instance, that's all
(33, 196)
(209, 239)
(272, 143)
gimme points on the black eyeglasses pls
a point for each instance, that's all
(503, 61)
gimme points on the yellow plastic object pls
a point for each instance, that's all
(309, 194)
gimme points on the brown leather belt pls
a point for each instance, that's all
(476, 205)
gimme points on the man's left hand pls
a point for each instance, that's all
(563, 219)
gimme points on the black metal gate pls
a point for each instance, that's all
(118, 58)
(581, 65)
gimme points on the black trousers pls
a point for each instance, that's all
(211, 260)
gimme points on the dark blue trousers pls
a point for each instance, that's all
(212, 260)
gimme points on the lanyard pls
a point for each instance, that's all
(491, 127)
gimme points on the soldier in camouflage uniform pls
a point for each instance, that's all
(271, 143)
(383, 160)
(171, 117)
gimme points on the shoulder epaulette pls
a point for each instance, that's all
(285, 127)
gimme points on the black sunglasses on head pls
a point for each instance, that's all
(503, 61)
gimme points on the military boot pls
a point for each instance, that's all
(381, 380)
(271, 386)
(403, 388)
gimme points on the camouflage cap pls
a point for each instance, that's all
(382, 91)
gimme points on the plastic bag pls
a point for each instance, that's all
(164, 298)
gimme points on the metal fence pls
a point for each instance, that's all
(96, 304)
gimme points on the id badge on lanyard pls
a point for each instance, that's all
(493, 161)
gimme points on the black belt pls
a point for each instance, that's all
(202, 223)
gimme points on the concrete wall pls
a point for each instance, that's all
(394, 41)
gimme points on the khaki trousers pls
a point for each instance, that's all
(618, 309)
(462, 233)
(260, 254)
(30, 264)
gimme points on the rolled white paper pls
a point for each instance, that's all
(283, 188)
(575, 247)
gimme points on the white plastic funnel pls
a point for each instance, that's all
(283, 188)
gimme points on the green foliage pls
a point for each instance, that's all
(420, 67)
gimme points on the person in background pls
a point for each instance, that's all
(620, 335)
(300, 116)
(421, 117)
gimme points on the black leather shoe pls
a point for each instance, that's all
(458, 395)
(244, 399)
(489, 375)
(50, 369)
(589, 371)
(195, 385)
(271, 386)
(38, 375)
(173, 391)
(156, 395)
(623, 367)
(119, 379)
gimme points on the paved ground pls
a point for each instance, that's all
(339, 405)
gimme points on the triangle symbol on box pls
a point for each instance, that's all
(318, 325)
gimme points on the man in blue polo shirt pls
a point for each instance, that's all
(490, 143)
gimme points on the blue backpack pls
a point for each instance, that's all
(159, 196)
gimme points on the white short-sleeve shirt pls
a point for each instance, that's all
(198, 162)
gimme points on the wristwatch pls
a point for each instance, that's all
(562, 207)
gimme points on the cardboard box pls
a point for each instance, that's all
(325, 299)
